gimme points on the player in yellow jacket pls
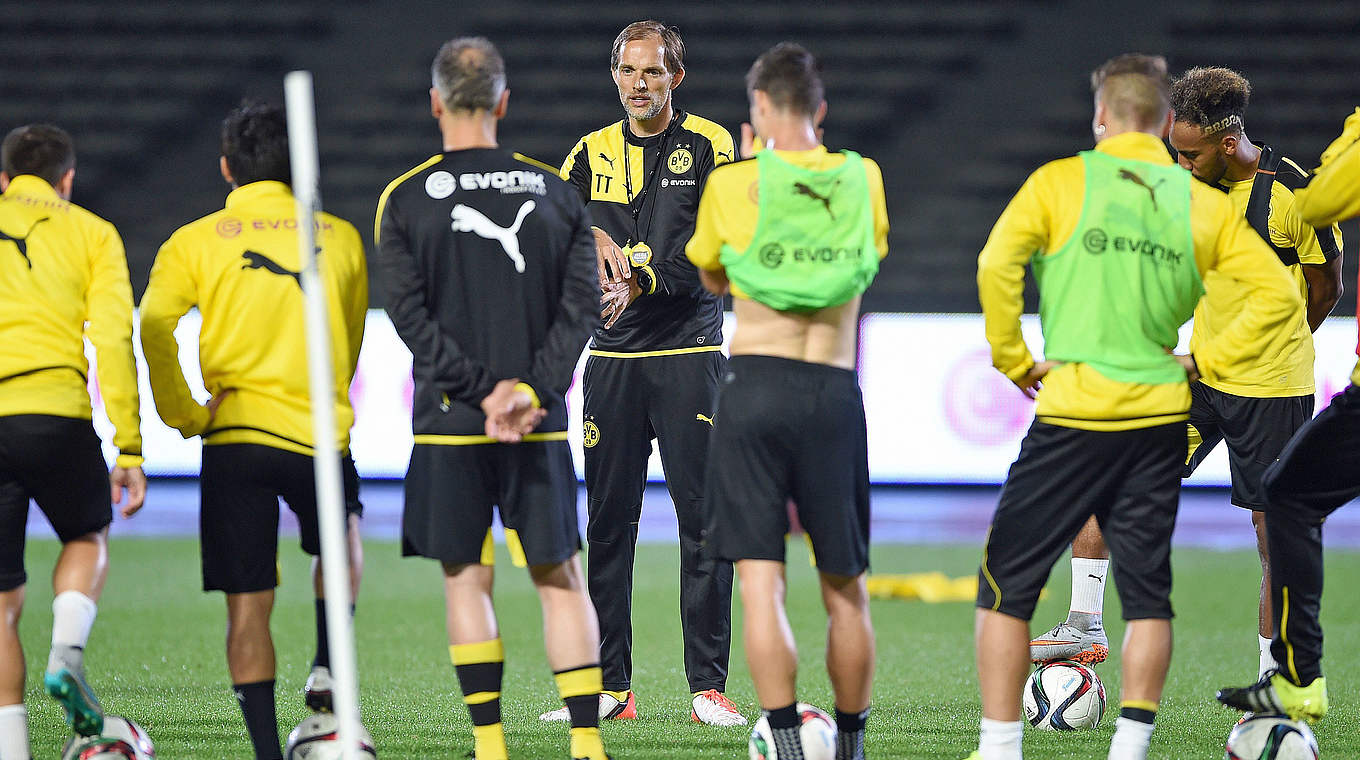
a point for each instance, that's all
(63, 278)
(1122, 244)
(240, 266)
(1315, 475)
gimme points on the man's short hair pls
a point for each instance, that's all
(641, 30)
(43, 150)
(791, 76)
(1212, 98)
(255, 143)
(469, 74)
(1135, 88)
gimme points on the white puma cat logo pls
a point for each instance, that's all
(469, 219)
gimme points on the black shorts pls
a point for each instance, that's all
(450, 491)
(1128, 479)
(789, 430)
(1255, 429)
(56, 462)
(238, 517)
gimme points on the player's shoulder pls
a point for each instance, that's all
(220, 224)
(1056, 175)
(89, 219)
(872, 170)
(552, 180)
(613, 130)
(341, 225)
(1061, 165)
(1290, 175)
(403, 181)
(742, 170)
(1207, 201)
(710, 130)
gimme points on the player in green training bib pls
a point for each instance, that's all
(797, 234)
(814, 238)
(1128, 270)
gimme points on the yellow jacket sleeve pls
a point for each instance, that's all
(1020, 232)
(724, 150)
(705, 245)
(1298, 234)
(108, 310)
(877, 197)
(357, 308)
(170, 293)
(1272, 297)
(1334, 194)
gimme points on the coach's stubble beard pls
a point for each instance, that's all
(655, 105)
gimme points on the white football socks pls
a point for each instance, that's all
(72, 618)
(1267, 659)
(14, 733)
(1088, 585)
(1131, 738)
(1000, 739)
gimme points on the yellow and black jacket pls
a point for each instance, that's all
(646, 189)
(64, 267)
(1042, 217)
(1267, 202)
(240, 267)
(1333, 194)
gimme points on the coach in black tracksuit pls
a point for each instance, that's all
(653, 372)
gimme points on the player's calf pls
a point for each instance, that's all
(73, 616)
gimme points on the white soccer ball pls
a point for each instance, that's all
(121, 739)
(1271, 737)
(816, 729)
(1063, 696)
(315, 739)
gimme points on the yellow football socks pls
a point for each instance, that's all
(580, 690)
(479, 667)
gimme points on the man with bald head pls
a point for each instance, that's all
(1121, 241)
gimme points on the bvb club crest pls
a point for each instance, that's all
(679, 161)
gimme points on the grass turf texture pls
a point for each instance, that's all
(156, 655)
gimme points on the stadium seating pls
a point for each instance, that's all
(956, 103)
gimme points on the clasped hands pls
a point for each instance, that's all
(510, 413)
(618, 286)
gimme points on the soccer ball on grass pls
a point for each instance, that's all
(315, 738)
(1063, 696)
(816, 730)
(1271, 737)
(121, 739)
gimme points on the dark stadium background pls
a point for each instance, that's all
(957, 101)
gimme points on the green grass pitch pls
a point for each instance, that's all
(157, 656)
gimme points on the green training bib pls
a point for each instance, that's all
(814, 240)
(1114, 296)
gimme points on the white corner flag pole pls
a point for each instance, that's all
(302, 150)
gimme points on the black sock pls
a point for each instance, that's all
(784, 727)
(323, 644)
(850, 734)
(257, 707)
(584, 710)
(1138, 714)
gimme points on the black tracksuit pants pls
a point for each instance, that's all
(628, 402)
(1317, 473)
